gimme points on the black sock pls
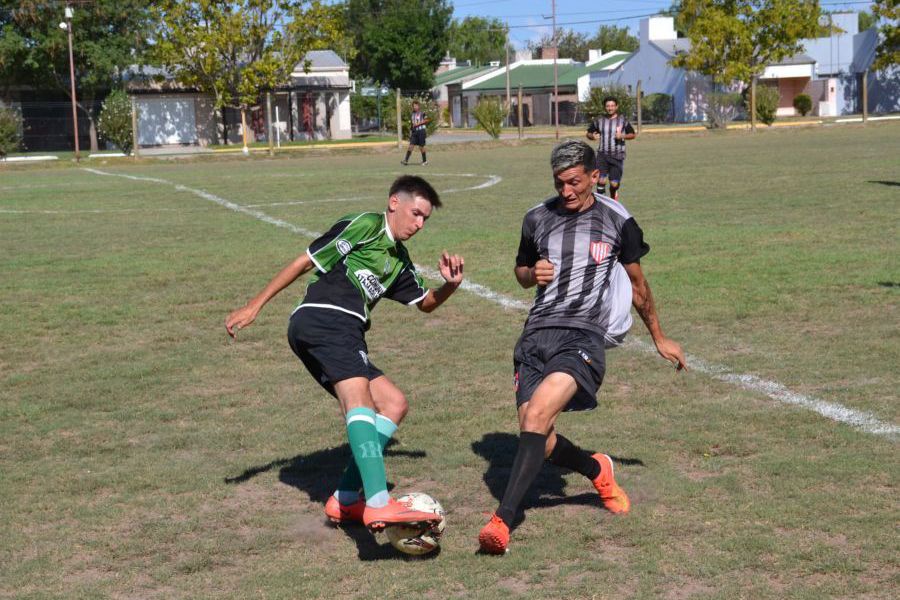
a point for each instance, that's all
(423, 157)
(568, 455)
(408, 152)
(613, 191)
(601, 189)
(526, 466)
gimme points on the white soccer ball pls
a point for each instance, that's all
(418, 539)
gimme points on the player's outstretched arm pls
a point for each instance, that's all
(642, 300)
(451, 268)
(245, 315)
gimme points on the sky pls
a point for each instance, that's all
(526, 18)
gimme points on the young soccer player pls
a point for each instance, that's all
(417, 133)
(569, 249)
(360, 260)
(612, 131)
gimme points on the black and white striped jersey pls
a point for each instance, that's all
(583, 248)
(606, 127)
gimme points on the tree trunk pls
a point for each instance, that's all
(92, 130)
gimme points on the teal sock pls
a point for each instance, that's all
(351, 481)
(363, 437)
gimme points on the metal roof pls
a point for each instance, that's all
(459, 73)
(541, 75)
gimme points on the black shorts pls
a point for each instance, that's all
(610, 167)
(332, 346)
(417, 138)
(578, 352)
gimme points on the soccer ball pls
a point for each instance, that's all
(418, 539)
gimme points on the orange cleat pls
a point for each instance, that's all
(614, 498)
(377, 519)
(344, 513)
(494, 537)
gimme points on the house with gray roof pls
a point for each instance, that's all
(314, 105)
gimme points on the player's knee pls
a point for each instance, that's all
(613, 184)
(537, 419)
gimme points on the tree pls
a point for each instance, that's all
(610, 37)
(571, 44)
(478, 40)
(888, 52)
(114, 123)
(10, 131)
(235, 50)
(399, 42)
(489, 115)
(866, 20)
(734, 40)
(109, 36)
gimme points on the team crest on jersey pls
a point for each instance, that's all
(344, 247)
(387, 267)
(599, 251)
(370, 284)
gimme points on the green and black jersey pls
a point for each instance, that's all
(357, 263)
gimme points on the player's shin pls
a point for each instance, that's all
(526, 466)
(567, 455)
(348, 489)
(364, 444)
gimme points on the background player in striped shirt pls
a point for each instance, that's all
(418, 122)
(612, 131)
(569, 249)
(360, 260)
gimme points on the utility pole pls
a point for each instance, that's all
(508, 102)
(555, 74)
(67, 25)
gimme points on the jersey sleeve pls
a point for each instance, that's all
(633, 245)
(344, 236)
(408, 288)
(628, 129)
(528, 251)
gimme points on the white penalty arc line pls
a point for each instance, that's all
(861, 420)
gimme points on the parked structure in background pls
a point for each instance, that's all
(448, 80)
(314, 106)
(536, 78)
(829, 70)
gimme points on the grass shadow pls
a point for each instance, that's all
(317, 474)
(549, 488)
(884, 182)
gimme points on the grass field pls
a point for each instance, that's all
(144, 455)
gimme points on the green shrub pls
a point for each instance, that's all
(767, 98)
(594, 107)
(721, 109)
(114, 123)
(489, 115)
(10, 131)
(426, 105)
(803, 104)
(656, 107)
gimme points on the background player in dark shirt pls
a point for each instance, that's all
(568, 249)
(612, 131)
(418, 122)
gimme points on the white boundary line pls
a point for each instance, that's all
(491, 180)
(861, 420)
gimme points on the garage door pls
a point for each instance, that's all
(166, 121)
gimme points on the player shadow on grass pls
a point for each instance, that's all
(549, 488)
(317, 474)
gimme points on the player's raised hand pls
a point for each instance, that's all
(239, 319)
(451, 267)
(671, 351)
(543, 271)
